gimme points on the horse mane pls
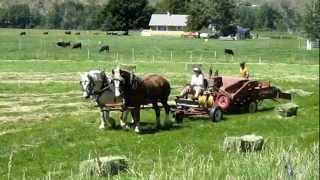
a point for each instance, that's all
(132, 80)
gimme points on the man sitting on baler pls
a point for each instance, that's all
(196, 85)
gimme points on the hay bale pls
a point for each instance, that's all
(250, 143)
(287, 110)
(246, 143)
(104, 166)
(232, 143)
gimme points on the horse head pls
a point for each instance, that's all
(122, 80)
(93, 82)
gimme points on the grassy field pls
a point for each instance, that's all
(46, 128)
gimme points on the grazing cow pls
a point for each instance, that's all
(63, 44)
(67, 32)
(112, 33)
(45, 33)
(23, 33)
(77, 45)
(104, 48)
(77, 33)
(228, 51)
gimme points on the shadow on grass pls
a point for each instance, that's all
(148, 128)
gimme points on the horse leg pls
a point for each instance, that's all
(103, 119)
(123, 119)
(110, 119)
(166, 106)
(136, 117)
(157, 111)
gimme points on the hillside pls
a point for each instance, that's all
(45, 5)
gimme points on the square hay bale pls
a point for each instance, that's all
(287, 110)
(246, 143)
(103, 166)
(250, 143)
(232, 143)
(128, 67)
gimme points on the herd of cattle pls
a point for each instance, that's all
(104, 48)
(74, 45)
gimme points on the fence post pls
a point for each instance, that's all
(171, 56)
(153, 59)
(20, 45)
(88, 53)
(132, 54)
(215, 54)
(259, 59)
(191, 56)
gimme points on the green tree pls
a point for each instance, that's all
(247, 17)
(55, 16)
(267, 17)
(199, 16)
(3, 17)
(221, 14)
(125, 15)
(19, 16)
(73, 15)
(90, 17)
(312, 20)
(173, 6)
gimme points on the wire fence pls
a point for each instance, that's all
(43, 50)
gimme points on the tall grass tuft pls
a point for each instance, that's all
(273, 162)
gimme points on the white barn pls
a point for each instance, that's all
(168, 24)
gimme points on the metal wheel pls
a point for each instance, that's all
(216, 114)
(252, 107)
(223, 101)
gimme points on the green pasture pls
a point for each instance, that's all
(47, 129)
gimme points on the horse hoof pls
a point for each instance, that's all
(102, 127)
(123, 125)
(137, 130)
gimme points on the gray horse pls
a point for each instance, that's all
(97, 85)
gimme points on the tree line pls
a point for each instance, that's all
(135, 14)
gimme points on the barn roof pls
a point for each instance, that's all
(168, 20)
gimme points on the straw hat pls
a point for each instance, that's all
(196, 69)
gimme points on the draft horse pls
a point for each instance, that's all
(138, 91)
(97, 85)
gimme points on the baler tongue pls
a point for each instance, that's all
(282, 95)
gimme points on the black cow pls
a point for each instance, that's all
(113, 33)
(63, 44)
(77, 45)
(228, 51)
(77, 33)
(45, 33)
(23, 33)
(67, 32)
(104, 48)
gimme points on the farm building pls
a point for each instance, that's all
(168, 24)
(242, 33)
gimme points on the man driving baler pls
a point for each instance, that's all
(196, 85)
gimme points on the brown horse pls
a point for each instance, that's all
(138, 91)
